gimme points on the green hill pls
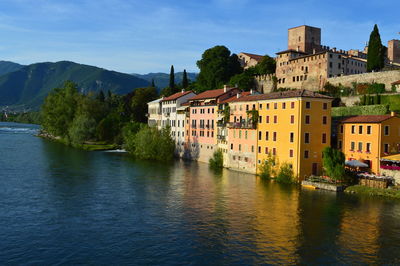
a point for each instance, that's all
(7, 67)
(29, 85)
(161, 80)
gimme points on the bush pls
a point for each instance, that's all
(392, 100)
(217, 161)
(333, 161)
(380, 109)
(376, 88)
(268, 167)
(83, 128)
(285, 174)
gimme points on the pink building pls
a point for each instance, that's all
(203, 116)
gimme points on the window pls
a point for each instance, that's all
(274, 151)
(260, 107)
(324, 120)
(245, 134)
(325, 106)
(324, 138)
(306, 137)
(292, 119)
(386, 148)
(275, 119)
(240, 134)
(290, 153)
(308, 105)
(292, 105)
(341, 129)
(266, 150)
(231, 146)
(369, 130)
(368, 148)
(360, 129)
(291, 138)
(352, 146)
(267, 106)
(267, 119)
(266, 135)
(259, 149)
(252, 148)
(306, 154)
(283, 105)
(386, 130)
(274, 137)
(353, 129)
(340, 144)
(240, 147)
(260, 119)
(259, 135)
(275, 105)
(307, 119)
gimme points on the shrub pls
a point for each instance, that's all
(285, 174)
(333, 161)
(376, 88)
(268, 167)
(380, 109)
(217, 161)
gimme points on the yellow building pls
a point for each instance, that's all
(368, 138)
(294, 126)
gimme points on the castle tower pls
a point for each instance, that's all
(393, 51)
(304, 39)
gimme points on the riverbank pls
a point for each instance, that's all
(87, 146)
(379, 192)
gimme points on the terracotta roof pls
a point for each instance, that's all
(290, 51)
(185, 104)
(231, 99)
(254, 56)
(366, 119)
(282, 94)
(396, 82)
(176, 96)
(208, 94)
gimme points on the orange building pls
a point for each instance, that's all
(368, 138)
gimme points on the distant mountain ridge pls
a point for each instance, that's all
(7, 67)
(161, 80)
(29, 85)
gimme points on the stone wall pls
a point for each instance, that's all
(386, 77)
(264, 83)
(392, 173)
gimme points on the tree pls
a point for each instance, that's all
(152, 83)
(101, 96)
(266, 66)
(217, 66)
(185, 81)
(217, 161)
(139, 100)
(285, 174)
(172, 78)
(82, 128)
(245, 80)
(333, 162)
(376, 51)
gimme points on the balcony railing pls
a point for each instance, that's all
(244, 125)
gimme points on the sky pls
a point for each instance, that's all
(149, 36)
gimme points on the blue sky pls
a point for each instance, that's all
(148, 35)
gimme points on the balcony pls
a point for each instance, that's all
(243, 125)
(221, 124)
(220, 137)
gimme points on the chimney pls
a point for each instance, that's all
(313, 50)
(225, 88)
(251, 91)
(238, 95)
(183, 90)
(392, 113)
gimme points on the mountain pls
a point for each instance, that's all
(161, 80)
(7, 67)
(30, 84)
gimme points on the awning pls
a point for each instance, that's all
(391, 158)
(356, 163)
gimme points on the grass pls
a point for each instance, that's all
(363, 190)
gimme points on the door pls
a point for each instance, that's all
(315, 169)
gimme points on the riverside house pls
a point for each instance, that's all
(370, 138)
(203, 116)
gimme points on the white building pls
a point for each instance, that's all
(154, 113)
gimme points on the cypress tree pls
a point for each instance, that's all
(101, 96)
(185, 81)
(172, 78)
(376, 51)
(152, 83)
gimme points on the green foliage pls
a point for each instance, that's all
(83, 128)
(393, 101)
(217, 161)
(376, 88)
(380, 192)
(360, 110)
(266, 66)
(185, 81)
(129, 132)
(245, 80)
(172, 78)
(376, 51)
(27, 118)
(268, 167)
(285, 174)
(139, 102)
(153, 144)
(217, 66)
(109, 128)
(333, 162)
(338, 91)
(31, 84)
(161, 80)
(253, 114)
(8, 67)
(227, 113)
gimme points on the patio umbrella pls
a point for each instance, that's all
(355, 163)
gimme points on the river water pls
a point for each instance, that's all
(60, 205)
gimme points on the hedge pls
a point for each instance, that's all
(392, 100)
(379, 109)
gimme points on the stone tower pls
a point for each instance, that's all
(393, 51)
(304, 39)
